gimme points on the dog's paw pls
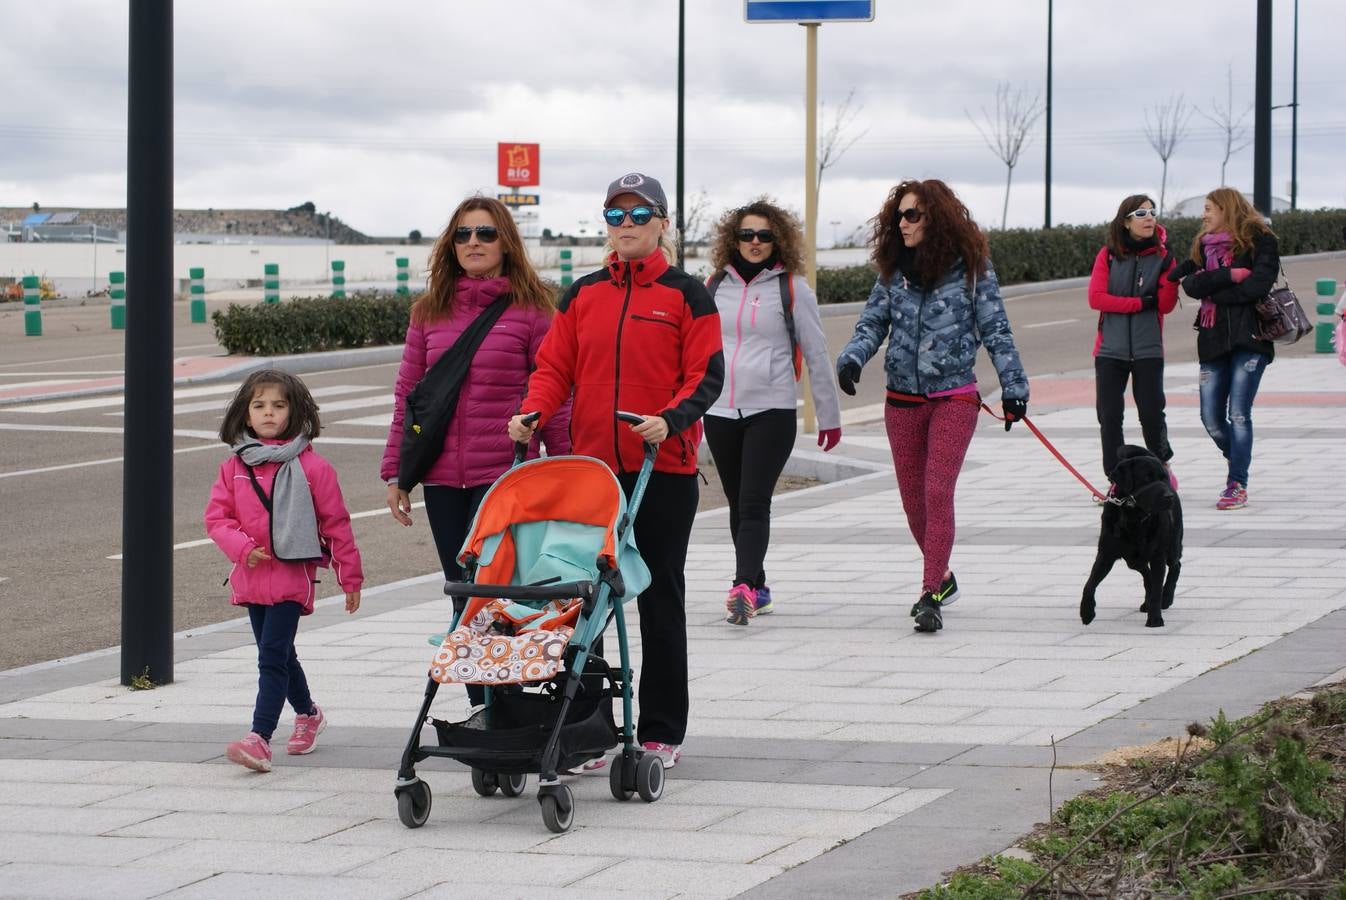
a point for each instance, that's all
(1086, 613)
(1154, 622)
(1168, 601)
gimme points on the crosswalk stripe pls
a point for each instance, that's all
(382, 420)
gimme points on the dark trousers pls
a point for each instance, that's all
(279, 675)
(663, 528)
(750, 454)
(1147, 389)
(450, 511)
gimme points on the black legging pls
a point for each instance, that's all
(1147, 389)
(450, 511)
(750, 454)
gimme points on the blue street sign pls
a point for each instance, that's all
(808, 10)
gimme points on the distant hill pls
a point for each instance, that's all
(302, 221)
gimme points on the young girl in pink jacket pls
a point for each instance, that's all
(276, 511)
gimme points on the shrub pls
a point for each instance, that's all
(310, 324)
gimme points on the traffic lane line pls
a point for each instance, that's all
(1053, 322)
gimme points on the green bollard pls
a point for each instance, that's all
(403, 276)
(32, 306)
(567, 269)
(116, 292)
(197, 291)
(338, 279)
(1327, 316)
(271, 282)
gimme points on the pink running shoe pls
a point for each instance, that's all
(253, 752)
(1235, 496)
(741, 604)
(306, 731)
(668, 753)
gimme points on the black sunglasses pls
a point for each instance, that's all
(762, 234)
(487, 234)
(912, 214)
(615, 215)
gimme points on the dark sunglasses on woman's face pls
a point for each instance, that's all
(912, 214)
(747, 234)
(487, 234)
(615, 215)
(1142, 213)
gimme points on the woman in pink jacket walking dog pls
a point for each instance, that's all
(478, 259)
(277, 512)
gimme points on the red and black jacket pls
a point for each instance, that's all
(639, 336)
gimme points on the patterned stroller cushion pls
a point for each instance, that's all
(506, 643)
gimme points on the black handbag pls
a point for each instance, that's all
(1280, 318)
(432, 402)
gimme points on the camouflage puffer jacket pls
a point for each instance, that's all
(933, 334)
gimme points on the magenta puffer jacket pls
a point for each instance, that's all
(237, 522)
(477, 448)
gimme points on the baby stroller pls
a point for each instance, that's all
(551, 556)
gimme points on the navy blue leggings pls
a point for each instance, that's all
(279, 675)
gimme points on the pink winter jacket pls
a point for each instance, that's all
(477, 448)
(237, 522)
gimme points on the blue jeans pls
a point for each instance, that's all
(279, 675)
(1228, 386)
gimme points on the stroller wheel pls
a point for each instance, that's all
(618, 780)
(484, 783)
(413, 805)
(650, 777)
(558, 809)
(513, 785)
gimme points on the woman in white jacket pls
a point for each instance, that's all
(769, 325)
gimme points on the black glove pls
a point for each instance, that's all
(1181, 270)
(848, 373)
(1013, 410)
(1149, 301)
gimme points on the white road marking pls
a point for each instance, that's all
(1054, 322)
(94, 462)
(363, 514)
(208, 405)
(24, 384)
(380, 421)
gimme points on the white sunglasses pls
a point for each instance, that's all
(1142, 213)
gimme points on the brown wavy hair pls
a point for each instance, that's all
(950, 234)
(1241, 219)
(785, 227)
(1117, 230)
(525, 286)
(303, 408)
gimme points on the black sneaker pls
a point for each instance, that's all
(947, 593)
(928, 616)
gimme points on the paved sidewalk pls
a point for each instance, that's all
(831, 749)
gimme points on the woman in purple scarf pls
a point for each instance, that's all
(1234, 264)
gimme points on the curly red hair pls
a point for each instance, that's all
(950, 233)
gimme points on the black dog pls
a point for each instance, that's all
(1142, 525)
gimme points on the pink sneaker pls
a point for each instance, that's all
(306, 731)
(668, 753)
(253, 752)
(741, 604)
(1235, 496)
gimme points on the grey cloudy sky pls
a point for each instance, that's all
(388, 114)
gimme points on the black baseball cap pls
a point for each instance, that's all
(643, 186)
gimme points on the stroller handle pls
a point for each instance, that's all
(521, 449)
(630, 418)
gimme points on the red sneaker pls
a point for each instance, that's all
(306, 731)
(253, 752)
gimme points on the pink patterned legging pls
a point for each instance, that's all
(929, 443)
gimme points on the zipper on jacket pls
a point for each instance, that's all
(639, 318)
(617, 371)
(738, 340)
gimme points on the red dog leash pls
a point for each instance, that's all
(1057, 453)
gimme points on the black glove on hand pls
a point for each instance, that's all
(1149, 301)
(1013, 410)
(1181, 270)
(848, 373)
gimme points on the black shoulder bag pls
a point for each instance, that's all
(431, 403)
(1280, 318)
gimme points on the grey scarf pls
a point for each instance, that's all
(294, 525)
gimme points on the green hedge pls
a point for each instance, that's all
(311, 324)
(1068, 251)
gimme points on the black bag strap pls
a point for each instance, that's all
(472, 336)
(787, 304)
(257, 485)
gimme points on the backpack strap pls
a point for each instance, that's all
(787, 305)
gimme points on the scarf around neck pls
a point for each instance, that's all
(294, 524)
(1218, 250)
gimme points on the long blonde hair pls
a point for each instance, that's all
(1241, 219)
(525, 286)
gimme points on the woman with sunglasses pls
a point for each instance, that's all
(479, 259)
(640, 336)
(768, 323)
(1129, 289)
(936, 300)
(1233, 264)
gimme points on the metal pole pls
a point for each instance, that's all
(1294, 119)
(1262, 111)
(681, 221)
(810, 186)
(147, 486)
(1047, 208)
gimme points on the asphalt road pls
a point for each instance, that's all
(61, 503)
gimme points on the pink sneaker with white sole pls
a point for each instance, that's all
(306, 731)
(253, 752)
(668, 753)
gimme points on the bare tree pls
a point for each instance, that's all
(1165, 127)
(695, 219)
(1007, 131)
(836, 138)
(1235, 133)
